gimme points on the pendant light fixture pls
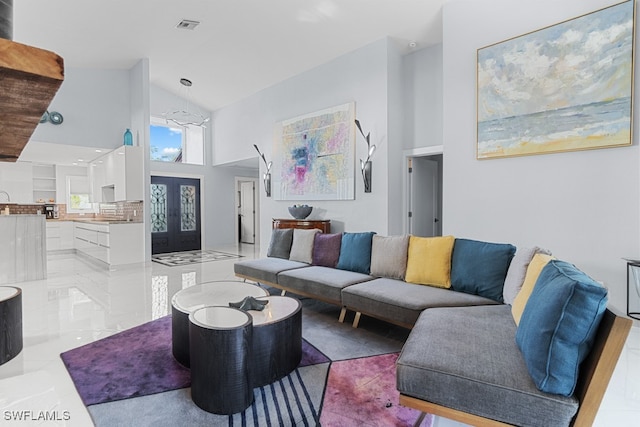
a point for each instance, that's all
(187, 114)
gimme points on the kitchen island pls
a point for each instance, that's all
(23, 248)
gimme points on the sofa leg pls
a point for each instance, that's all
(356, 319)
(283, 292)
(343, 312)
(419, 420)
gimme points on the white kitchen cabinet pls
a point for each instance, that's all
(60, 235)
(126, 243)
(118, 175)
(88, 240)
(113, 244)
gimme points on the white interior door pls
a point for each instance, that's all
(247, 212)
(424, 184)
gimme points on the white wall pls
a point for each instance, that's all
(422, 91)
(139, 117)
(581, 205)
(95, 105)
(361, 76)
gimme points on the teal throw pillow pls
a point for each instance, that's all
(479, 268)
(355, 252)
(558, 326)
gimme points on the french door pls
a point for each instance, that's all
(175, 214)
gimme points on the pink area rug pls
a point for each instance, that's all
(363, 392)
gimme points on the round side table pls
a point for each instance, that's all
(10, 323)
(206, 294)
(220, 351)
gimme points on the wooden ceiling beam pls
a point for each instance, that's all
(29, 79)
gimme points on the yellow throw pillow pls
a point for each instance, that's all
(533, 271)
(429, 261)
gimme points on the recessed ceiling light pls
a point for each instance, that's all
(80, 160)
(98, 150)
(187, 24)
(74, 164)
(413, 44)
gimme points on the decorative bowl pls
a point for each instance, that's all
(300, 212)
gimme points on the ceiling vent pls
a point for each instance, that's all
(187, 24)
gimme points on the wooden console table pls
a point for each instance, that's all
(324, 224)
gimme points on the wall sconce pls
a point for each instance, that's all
(365, 165)
(266, 178)
(52, 117)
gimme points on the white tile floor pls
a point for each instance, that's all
(79, 303)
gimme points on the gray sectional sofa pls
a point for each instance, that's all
(499, 336)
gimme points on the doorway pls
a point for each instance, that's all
(247, 203)
(423, 192)
(175, 214)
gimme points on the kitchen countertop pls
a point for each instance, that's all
(97, 221)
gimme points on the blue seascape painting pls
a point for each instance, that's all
(565, 87)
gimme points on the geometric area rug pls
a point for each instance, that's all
(174, 259)
(131, 378)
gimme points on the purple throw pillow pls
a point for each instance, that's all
(326, 249)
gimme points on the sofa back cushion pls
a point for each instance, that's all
(479, 268)
(302, 245)
(389, 256)
(538, 262)
(280, 244)
(518, 271)
(429, 261)
(326, 249)
(558, 326)
(355, 252)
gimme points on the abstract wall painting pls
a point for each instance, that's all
(314, 156)
(562, 88)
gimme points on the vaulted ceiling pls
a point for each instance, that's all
(239, 47)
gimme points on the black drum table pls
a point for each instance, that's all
(10, 323)
(220, 352)
(277, 339)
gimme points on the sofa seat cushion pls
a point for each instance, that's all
(323, 282)
(265, 269)
(403, 302)
(467, 359)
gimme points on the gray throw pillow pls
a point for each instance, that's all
(517, 272)
(302, 246)
(280, 244)
(389, 256)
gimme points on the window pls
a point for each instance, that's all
(176, 144)
(79, 202)
(79, 195)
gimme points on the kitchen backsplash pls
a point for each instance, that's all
(119, 211)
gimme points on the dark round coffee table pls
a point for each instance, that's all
(187, 300)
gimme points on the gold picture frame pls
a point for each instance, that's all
(565, 87)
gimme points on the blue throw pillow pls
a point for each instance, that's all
(558, 326)
(479, 268)
(355, 252)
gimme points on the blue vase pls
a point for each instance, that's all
(128, 137)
